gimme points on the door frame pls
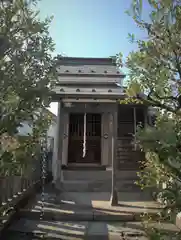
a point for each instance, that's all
(98, 160)
(105, 138)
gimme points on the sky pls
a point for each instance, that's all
(90, 28)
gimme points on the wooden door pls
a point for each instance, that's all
(76, 138)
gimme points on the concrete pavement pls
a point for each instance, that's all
(86, 215)
(84, 230)
(90, 206)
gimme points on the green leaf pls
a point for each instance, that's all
(28, 71)
(154, 68)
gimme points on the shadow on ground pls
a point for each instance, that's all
(82, 216)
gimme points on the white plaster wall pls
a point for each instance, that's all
(52, 130)
(51, 133)
(25, 129)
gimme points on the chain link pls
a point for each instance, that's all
(43, 174)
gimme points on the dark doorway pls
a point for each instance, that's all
(76, 138)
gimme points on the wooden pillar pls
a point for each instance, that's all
(114, 128)
(105, 148)
(110, 131)
(134, 122)
(57, 155)
(65, 139)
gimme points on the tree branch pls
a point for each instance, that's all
(166, 98)
(176, 55)
(155, 103)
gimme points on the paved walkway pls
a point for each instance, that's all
(77, 230)
(85, 216)
(89, 206)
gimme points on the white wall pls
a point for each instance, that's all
(52, 130)
(51, 133)
(27, 129)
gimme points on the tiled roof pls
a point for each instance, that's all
(69, 91)
(91, 70)
(88, 77)
(85, 61)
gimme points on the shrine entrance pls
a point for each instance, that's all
(84, 138)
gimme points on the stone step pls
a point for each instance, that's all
(65, 230)
(98, 186)
(125, 167)
(128, 167)
(71, 230)
(84, 168)
(98, 175)
(90, 206)
(67, 211)
(125, 148)
(80, 214)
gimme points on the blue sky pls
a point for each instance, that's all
(90, 28)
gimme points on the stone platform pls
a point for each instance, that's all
(90, 206)
(26, 229)
(87, 215)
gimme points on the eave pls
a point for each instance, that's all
(111, 96)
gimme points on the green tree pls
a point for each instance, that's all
(155, 69)
(27, 71)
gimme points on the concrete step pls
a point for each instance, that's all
(70, 230)
(66, 211)
(32, 229)
(128, 167)
(84, 168)
(98, 186)
(98, 175)
(90, 206)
